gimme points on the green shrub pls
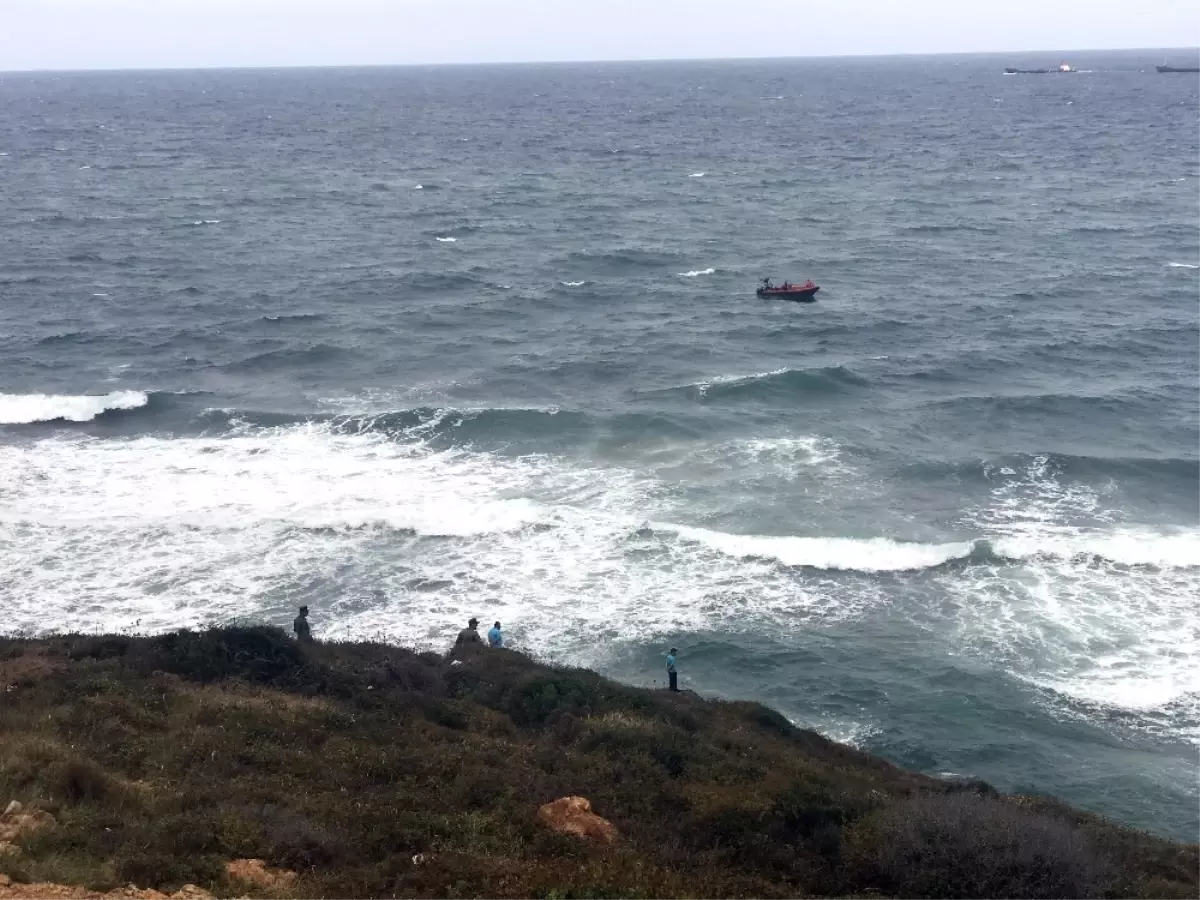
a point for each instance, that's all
(258, 654)
(536, 701)
(167, 870)
(768, 718)
(102, 647)
(968, 845)
(448, 716)
(589, 892)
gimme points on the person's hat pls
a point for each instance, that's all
(673, 650)
(473, 621)
(304, 609)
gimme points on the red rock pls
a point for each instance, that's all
(574, 816)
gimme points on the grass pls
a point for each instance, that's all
(375, 771)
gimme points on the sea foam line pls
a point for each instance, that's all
(695, 272)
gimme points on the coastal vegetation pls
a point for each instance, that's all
(371, 770)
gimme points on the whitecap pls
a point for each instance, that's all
(1181, 266)
(418, 187)
(1101, 614)
(24, 409)
(572, 283)
(876, 554)
(696, 272)
(199, 222)
(696, 175)
(703, 386)
(1123, 546)
(239, 518)
(447, 240)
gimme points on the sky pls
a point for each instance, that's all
(102, 34)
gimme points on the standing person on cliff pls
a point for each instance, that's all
(672, 673)
(495, 637)
(468, 638)
(300, 626)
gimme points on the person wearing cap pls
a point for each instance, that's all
(495, 638)
(672, 674)
(469, 636)
(300, 626)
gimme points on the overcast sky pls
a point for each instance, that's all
(87, 34)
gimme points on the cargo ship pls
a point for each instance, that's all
(1063, 69)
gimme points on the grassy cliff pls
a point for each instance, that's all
(374, 771)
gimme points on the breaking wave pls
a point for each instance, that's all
(25, 409)
(860, 555)
(768, 385)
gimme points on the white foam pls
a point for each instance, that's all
(696, 272)
(418, 187)
(787, 456)
(403, 540)
(572, 283)
(200, 222)
(1181, 266)
(1123, 546)
(447, 240)
(857, 554)
(1091, 607)
(23, 409)
(696, 175)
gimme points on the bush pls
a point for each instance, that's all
(81, 781)
(103, 647)
(589, 892)
(539, 699)
(260, 654)
(768, 718)
(167, 871)
(969, 845)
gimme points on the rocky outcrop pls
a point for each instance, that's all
(255, 872)
(16, 822)
(574, 816)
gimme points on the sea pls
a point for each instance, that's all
(410, 345)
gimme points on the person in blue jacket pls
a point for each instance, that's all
(495, 638)
(672, 674)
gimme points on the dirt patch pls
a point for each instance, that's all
(255, 872)
(10, 890)
(26, 670)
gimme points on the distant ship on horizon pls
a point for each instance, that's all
(1164, 69)
(1063, 69)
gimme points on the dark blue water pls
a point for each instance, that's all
(410, 345)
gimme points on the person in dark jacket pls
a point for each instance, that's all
(300, 626)
(672, 674)
(469, 636)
